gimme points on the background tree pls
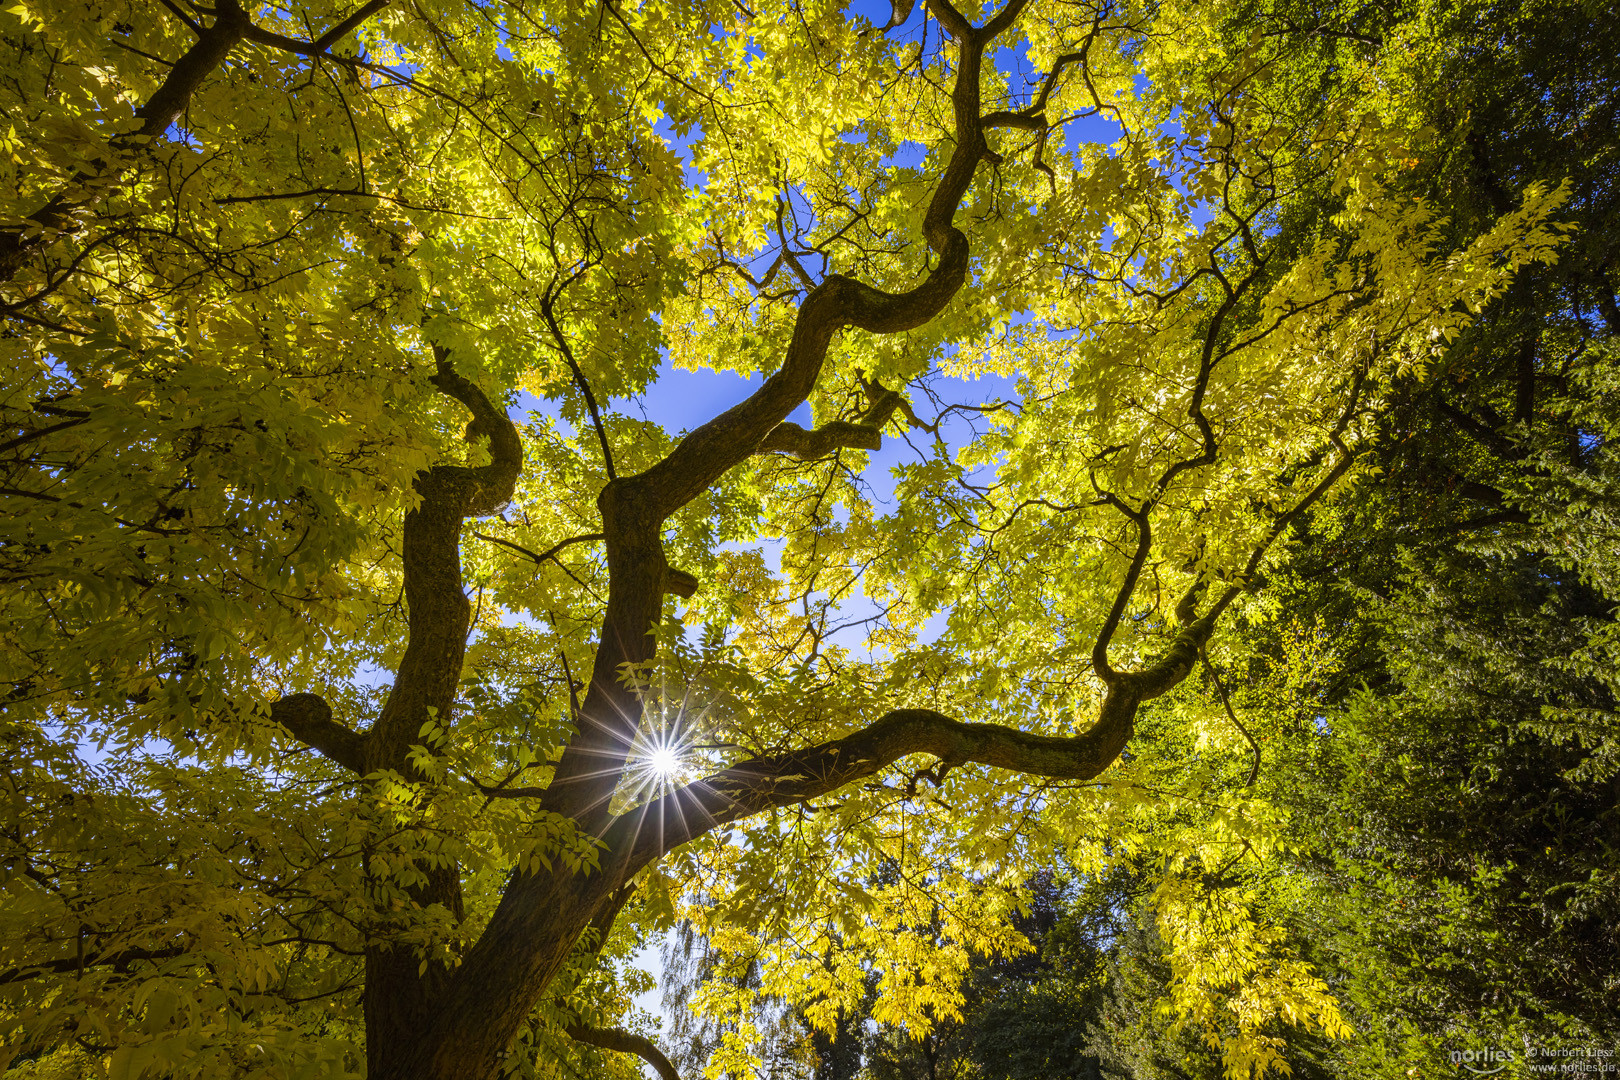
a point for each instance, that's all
(1467, 790)
(1020, 1016)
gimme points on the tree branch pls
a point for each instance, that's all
(713, 448)
(753, 786)
(634, 508)
(864, 434)
(319, 46)
(309, 719)
(1483, 434)
(164, 107)
(1605, 299)
(1144, 546)
(438, 612)
(1220, 688)
(790, 438)
(549, 553)
(1033, 117)
(1505, 517)
(487, 487)
(1524, 393)
(625, 1042)
(1278, 527)
(38, 433)
(67, 965)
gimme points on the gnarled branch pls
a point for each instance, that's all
(476, 1017)
(758, 784)
(863, 434)
(309, 718)
(634, 508)
(790, 438)
(438, 612)
(485, 488)
(713, 448)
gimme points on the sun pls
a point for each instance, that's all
(664, 762)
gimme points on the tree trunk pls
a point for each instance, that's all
(462, 1031)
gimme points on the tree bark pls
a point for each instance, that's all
(401, 994)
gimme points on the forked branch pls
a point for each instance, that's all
(759, 784)
(634, 508)
(863, 434)
(712, 449)
(438, 613)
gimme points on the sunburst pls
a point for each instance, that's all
(665, 763)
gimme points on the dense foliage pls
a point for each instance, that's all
(1176, 446)
(1452, 802)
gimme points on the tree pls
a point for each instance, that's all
(1463, 786)
(1131, 1039)
(1020, 1016)
(1029, 1013)
(1445, 868)
(252, 291)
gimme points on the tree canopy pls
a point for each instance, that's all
(387, 649)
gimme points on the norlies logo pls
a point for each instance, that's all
(1482, 1062)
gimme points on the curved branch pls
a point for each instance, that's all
(595, 938)
(839, 302)
(626, 1042)
(1033, 118)
(863, 434)
(485, 488)
(759, 784)
(438, 612)
(1347, 458)
(634, 508)
(309, 719)
(790, 438)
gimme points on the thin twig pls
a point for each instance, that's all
(1254, 767)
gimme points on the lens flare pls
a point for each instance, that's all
(664, 762)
